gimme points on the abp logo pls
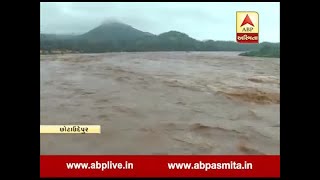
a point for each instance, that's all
(247, 27)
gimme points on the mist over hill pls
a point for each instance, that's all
(118, 37)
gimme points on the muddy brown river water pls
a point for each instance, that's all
(162, 103)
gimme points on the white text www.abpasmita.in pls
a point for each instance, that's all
(100, 165)
(208, 166)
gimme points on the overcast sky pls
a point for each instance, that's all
(201, 20)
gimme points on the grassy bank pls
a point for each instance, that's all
(265, 51)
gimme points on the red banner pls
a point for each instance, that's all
(248, 37)
(160, 166)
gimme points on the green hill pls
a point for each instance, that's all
(117, 37)
(113, 32)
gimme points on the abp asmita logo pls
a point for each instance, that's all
(247, 27)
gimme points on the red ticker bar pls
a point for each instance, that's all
(160, 166)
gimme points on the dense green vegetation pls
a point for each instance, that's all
(265, 51)
(117, 37)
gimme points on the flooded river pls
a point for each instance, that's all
(162, 103)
